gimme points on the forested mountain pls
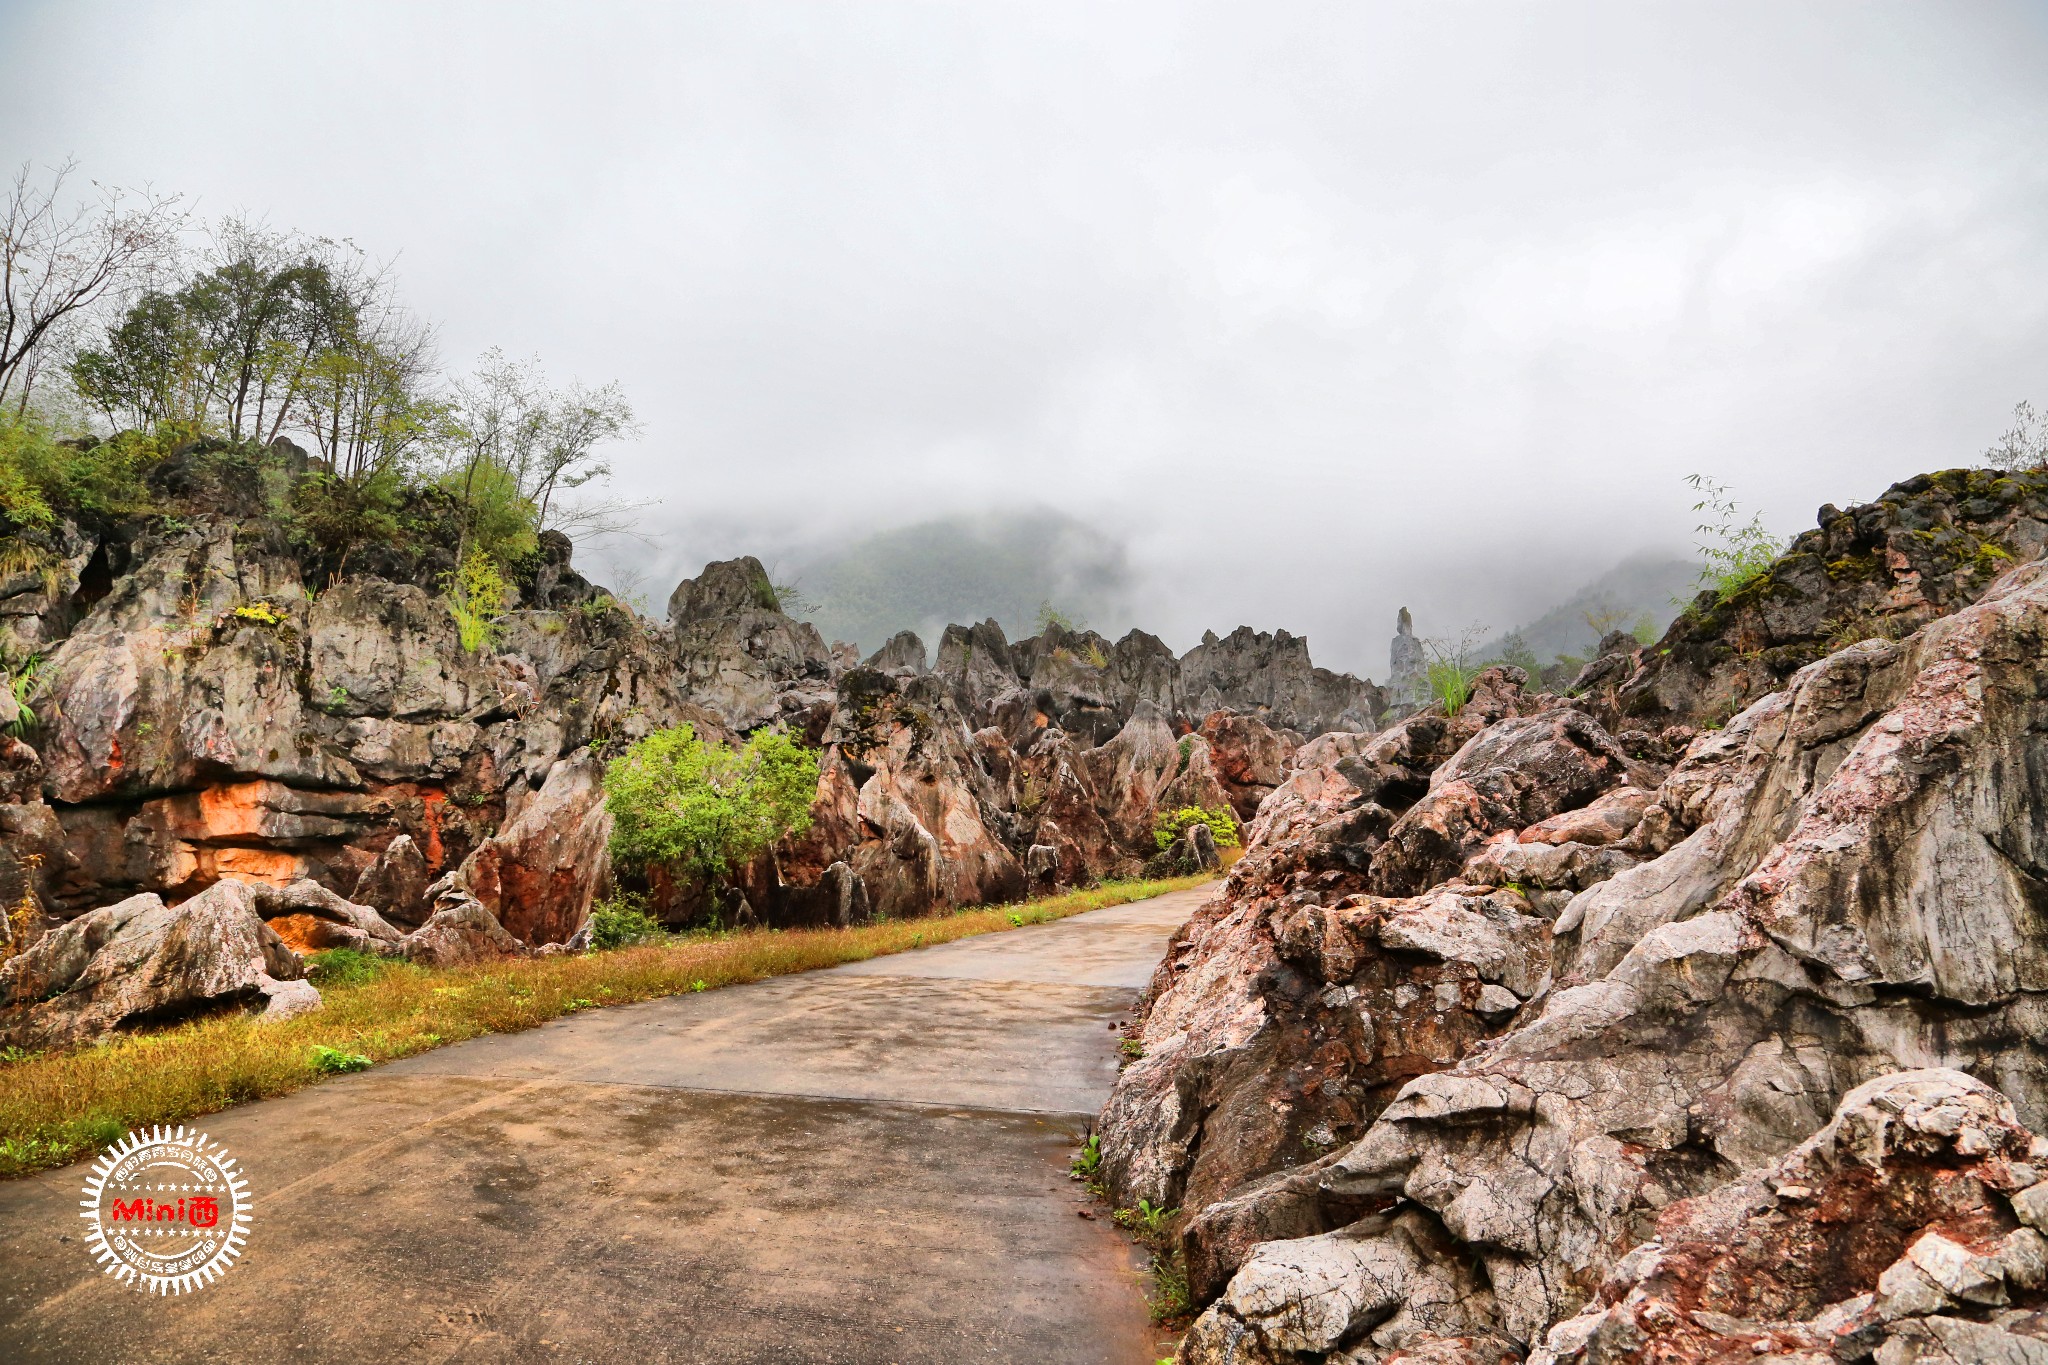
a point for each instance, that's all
(963, 568)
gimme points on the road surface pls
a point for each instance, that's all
(863, 1165)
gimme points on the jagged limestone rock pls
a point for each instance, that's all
(141, 961)
(1836, 886)
(741, 657)
(1406, 667)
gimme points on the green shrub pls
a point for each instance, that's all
(620, 923)
(477, 595)
(1169, 825)
(333, 1061)
(332, 515)
(706, 809)
(1450, 682)
(1733, 553)
(343, 967)
(42, 479)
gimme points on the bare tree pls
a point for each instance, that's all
(56, 262)
(1602, 617)
(579, 420)
(536, 439)
(367, 396)
(2025, 445)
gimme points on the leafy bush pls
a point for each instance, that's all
(707, 808)
(477, 595)
(332, 516)
(502, 522)
(1169, 825)
(43, 479)
(333, 1061)
(21, 685)
(1733, 553)
(620, 923)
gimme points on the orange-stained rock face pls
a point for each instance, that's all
(540, 873)
(189, 869)
(431, 846)
(224, 812)
(252, 865)
(301, 933)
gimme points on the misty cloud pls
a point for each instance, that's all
(1314, 311)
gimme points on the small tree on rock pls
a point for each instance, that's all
(2025, 443)
(705, 809)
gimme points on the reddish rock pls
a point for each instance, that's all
(1515, 773)
(540, 874)
(1250, 757)
(1891, 1230)
(1608, 820)
(459, 933)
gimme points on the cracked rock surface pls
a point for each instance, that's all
(215, 707)
(1500, 1022)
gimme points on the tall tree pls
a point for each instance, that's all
(518, 436)
(56, 262)
(260, 314)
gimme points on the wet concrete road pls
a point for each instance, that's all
(863, 1165)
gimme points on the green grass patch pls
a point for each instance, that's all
(343, 967)
(58, 1106)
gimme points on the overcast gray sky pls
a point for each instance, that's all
(1321, 308)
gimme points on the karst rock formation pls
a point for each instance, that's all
(216, 707)
(1697, 1015)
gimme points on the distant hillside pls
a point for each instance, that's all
(1640, 585)
(963, 569)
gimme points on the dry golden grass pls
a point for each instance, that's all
(56, 1107)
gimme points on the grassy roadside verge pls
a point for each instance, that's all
(59, 1106)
